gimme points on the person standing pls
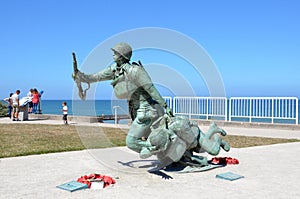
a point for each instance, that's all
(9, 106)
(15, 106)
(30, 96)
(35, 100)
(65, 112)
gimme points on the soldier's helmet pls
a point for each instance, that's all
(159, 138)
(123, 49)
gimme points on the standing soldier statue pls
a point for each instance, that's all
(150, 114)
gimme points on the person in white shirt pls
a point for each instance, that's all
(30, 96)
(15, 106)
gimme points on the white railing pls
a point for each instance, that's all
(272, 108)
(201, 107)
(248, 109)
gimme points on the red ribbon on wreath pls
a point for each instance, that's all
(88, 179)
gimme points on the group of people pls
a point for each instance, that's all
(34, 95)
(14, 103)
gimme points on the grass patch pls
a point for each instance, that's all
(237, 141)
(26, 139)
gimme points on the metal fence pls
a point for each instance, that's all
(246, 109)
(264, 109)
(201, 107)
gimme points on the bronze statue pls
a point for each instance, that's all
(154, 130)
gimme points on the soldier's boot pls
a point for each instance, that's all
(213, 129)
(225, 145)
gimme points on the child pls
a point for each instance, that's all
(65, 112)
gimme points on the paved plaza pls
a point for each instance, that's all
(269, 172)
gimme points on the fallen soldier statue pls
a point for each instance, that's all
(175, 139)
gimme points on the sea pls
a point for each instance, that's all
(85, 108)
(102, 107)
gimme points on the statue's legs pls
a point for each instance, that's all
(140, 128)
(136, 133)
(211, 141)
(196, 160)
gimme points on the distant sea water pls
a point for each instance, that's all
(85, 108)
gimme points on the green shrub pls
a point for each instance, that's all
(3, 109)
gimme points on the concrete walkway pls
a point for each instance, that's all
(270, 172)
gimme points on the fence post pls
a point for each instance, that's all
(273, 110)
(250, 112)
(206, 108)
(190, 109)
(226, 102)
(230, 112)
(297, 116)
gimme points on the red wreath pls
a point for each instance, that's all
(88, 179)
(224, 160)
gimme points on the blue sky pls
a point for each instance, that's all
(254, 44)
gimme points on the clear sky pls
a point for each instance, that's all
(255, 44)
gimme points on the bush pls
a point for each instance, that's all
(3, 110)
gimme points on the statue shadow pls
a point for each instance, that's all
(153, 166)
(174, 167)
(161, 173)
(135, 163)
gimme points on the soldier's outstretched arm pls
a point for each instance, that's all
(103, 75)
